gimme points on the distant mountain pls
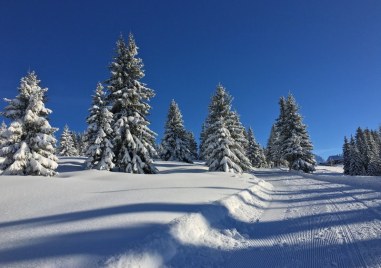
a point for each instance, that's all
(319, 159)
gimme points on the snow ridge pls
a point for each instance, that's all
(199, 239)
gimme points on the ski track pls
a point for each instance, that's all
(311, 223)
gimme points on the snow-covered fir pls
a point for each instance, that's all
(362, 153)
(67, 146)
(29, 148)
(175, 145)
(133, 141)
(221, 151)
(3, 137)
(289, 143)
(99, 133)
(296, 144)
(192, 145)
(255, 152)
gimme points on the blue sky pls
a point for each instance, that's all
(328, 53)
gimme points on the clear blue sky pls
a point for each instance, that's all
(328, 53)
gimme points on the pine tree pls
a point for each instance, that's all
(175, 144)
(272, 148)
(202, 146)
(346, 156)
(192, 144)
(356, 162)
(133, 140)
(99, 133)
(237, 130)
(374, 166)
(363, 157)
(66, 147)
(221, 150)
(30, 143)
(3, 138)
(254, 151)
(295, 143)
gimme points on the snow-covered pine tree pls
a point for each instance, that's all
(222, 151)
(175, 144)
(295, 141)
(362, 147)
(356, 162)
(192, 145)
(278, 130)
(254, 151)
(3, 138)
(133, 140)
(272, 148)
(202, 146)
(99, 133)
(374, 166)
(66, 147)
(346, 156)
(30, 145)
(237, 130)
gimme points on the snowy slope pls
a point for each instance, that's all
(187, 217)
(82, 217)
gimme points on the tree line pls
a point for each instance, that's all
(118, 137)
(362, 153)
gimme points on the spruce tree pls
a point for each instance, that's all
(30, 143)
(133, 140)
(374, 165)
(271, 148)
(99, 133)
(221, 150)
(356, 163)
(254, 151)
(175, 144)
(192, 144)
(3, 137)
(346, 156)
(362, 147)
(295, 143)
(66, 147)
(237, 130)
(202, 146)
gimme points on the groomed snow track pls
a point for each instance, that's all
(313, 223)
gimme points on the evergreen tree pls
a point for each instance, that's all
(255, 152)
(346, 156)
(66, 147)
(202, 146)
(221, 150)
(192, 145)
(30, 144)
(295, 143)
(237, 130)
(363, 157)
(356, 162)
(133, 140)
(374, 166)
(175, 144)
(3, 137)
(99, 133)
(272, 148)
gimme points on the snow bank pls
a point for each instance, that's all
(199, 239)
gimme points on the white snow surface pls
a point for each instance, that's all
(188, 217)
(80, 218)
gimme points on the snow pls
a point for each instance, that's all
(188, 217)
(82, 217)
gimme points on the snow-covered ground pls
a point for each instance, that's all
(82, 217)
(188, 217)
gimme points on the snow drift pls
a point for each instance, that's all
(199, 239)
